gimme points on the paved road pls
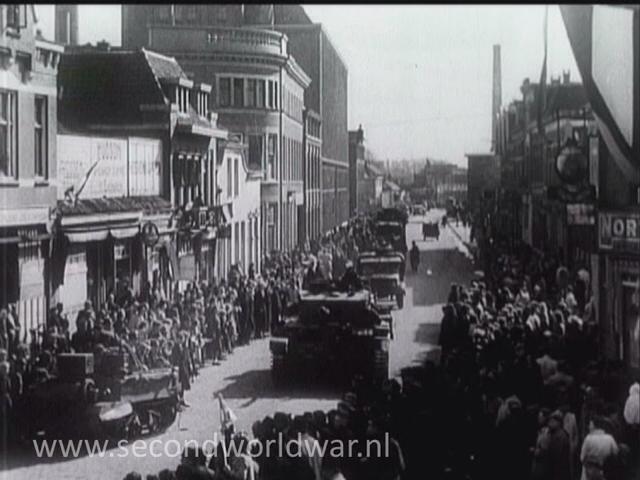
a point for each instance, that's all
(244, 378)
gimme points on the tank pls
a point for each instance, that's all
(331, 336)
(103, 395)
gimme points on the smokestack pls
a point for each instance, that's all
(497, 95)
(66, 24)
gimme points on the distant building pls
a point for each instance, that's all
(365, 178)
(483, 179)
(28, 162)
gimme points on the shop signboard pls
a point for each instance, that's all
(619, 231)
(95, 165)
(581, 214)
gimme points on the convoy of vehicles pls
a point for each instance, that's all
(331, 335)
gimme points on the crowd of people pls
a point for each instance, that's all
(202, 323)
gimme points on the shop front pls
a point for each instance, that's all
(95, 255)
(23, 253)
(619, 245)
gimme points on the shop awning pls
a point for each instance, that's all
(101, 234)
(121, 233)
(84, 237)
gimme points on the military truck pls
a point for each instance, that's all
(331, 336)
(383, 272)
(390, 228)
(103, 395)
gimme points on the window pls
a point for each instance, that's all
(270, 94)
(256, 148)
(236, 235)
(236, 178)
(16, 16)
(238, 92)
(224, 92)
(276, 95)
(8, 137)
(243, 252)
(251, 92)
(271, 156)
(260, 94)
(162, 13)
(229, 179)
(40, 139)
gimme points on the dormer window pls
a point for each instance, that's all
(182, 99)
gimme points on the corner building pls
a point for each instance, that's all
(258, 93)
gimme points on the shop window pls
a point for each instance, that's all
(8, 134)
(40, 137)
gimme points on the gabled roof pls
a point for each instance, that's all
(164, 67)
(106, 88)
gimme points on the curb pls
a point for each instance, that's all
(470, 247)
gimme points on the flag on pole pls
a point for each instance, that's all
(542, 86)
(227, 417)
(605, 43)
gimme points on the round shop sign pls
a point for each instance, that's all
(150, 234)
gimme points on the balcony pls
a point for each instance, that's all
(185, 39)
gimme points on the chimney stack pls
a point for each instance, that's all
(66, 24)
(566, 77)
(497, 95)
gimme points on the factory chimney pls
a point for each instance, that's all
(66, 24)
(497, 96)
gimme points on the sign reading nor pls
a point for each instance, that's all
(619, 230)
(77, 154)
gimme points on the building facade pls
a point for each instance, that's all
(140, 152)
(239, 199)
(327, 95)
(259, 94)
(366, 180)
(312, 209)
(28, 163)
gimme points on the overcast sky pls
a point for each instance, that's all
(419, 76)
